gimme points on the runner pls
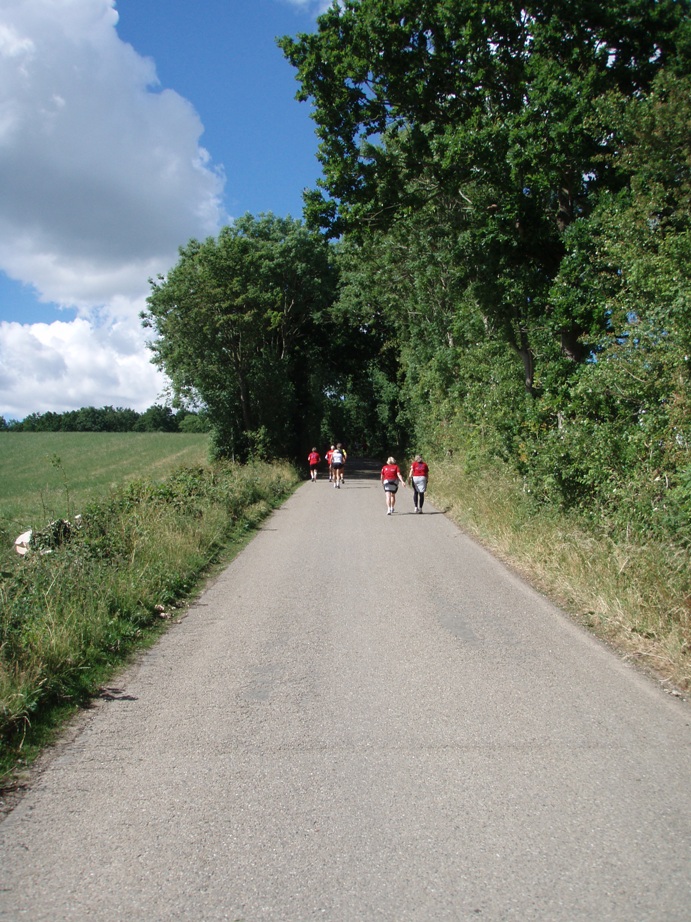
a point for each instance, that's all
(418, 476)
(390, 475)
(337, 462)
(313, 460)
(328, 456)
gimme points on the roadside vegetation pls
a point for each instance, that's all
(635, 594)
(87, 595)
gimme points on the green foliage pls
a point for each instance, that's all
(512, 189)
(614, 434)
(88, 419)
(157, 419)
(104, 419)
(238, 323)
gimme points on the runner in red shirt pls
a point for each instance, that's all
(390, 475)
(418, 475)
(328, 457)
(313, 460)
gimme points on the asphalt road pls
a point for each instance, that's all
(365, 717)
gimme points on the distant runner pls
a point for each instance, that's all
(337, 462)
(329, 456)
(313, 459)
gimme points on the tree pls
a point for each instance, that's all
(487, 106)
(238, 321)
(193, 422)
(157, 419)
(518, 174)
(621, 429)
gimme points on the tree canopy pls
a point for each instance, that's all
(485, 109)
(239, 322)
(110, 419)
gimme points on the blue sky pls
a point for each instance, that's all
(128, 127)
(222, 56)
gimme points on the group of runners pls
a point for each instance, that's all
(335, 458)
(390, 476)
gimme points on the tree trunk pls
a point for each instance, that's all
(243, 391)
(526, 354)
(521, 344)
(565, 210)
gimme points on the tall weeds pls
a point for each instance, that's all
(632, 591)
(71, 612)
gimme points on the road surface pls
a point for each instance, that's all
(365, 717)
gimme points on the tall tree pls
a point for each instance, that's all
(237, 323)
(487, 104)
(623, 432)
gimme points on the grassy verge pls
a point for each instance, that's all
(69, 618)
(634, 595)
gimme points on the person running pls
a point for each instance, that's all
(328, 456)
(337, 462)
(418, 476)
(313, 459)
(390, 476)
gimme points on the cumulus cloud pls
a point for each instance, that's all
(103, 177)
(103, 172)
(86, 362)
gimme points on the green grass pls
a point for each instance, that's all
(635, 594)
(51, 475)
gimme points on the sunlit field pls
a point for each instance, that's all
(49, 475)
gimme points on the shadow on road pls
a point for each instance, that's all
(362, 469)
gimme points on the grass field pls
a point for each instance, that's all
(50, 475)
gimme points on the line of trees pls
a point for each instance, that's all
(111, 419)
(496, 260)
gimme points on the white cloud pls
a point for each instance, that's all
(103, 177)
(100, 361)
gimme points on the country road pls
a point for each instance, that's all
(364, 717)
